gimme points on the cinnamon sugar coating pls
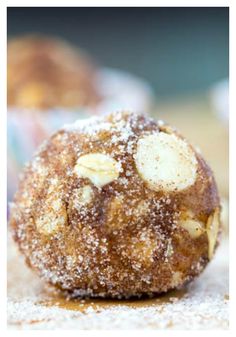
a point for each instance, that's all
(89, 223)
(45, 73)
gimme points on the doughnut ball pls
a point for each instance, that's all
(117, 206)
(46, 72)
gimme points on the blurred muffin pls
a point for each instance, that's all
(44, 73)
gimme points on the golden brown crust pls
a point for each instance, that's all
(121, 239)
(44, 73)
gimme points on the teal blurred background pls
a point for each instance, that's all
(180, 51)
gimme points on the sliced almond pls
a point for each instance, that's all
(82, 196)
(53, 215)
(115, 214)
(166, 162)
(51, 221)
(177, 279)
(194, 228)
(143, 247)
(100, 169)
(213, 224)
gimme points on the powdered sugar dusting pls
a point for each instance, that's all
(203, 306)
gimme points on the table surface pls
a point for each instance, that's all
(201, 305)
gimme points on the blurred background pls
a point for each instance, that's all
(178, 57)
(179, 51)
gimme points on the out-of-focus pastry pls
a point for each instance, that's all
(46, 72)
